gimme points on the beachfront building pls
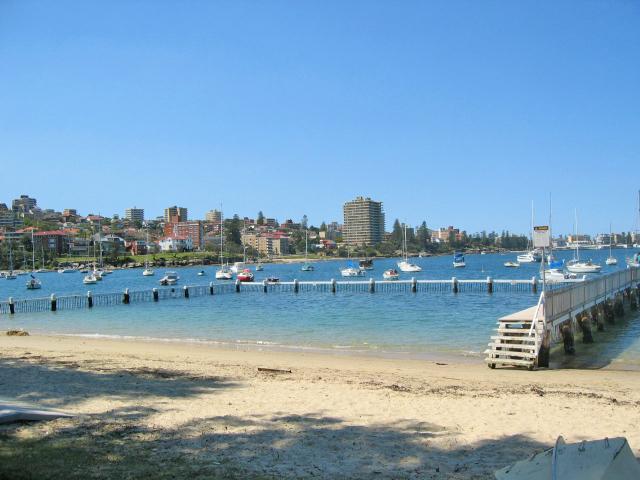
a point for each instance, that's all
(267, 244)
(213, 216)
(175, 214)
(193, 230)
(175, 244)
(134, 214)
(54, 241)
(363, 222)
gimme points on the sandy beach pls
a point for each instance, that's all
(161, 410)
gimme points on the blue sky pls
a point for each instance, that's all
(455, 112)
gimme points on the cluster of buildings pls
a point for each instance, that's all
(74, 234)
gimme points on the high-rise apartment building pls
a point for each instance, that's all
(363, 222)
(24, 204)
(175, 214)
(134, 214)
(213, 216)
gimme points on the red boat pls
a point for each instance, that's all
(245, 275)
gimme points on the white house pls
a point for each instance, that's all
(176, 244)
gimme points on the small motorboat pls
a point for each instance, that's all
(352, 272)
(634, 261)
(89, 279)
(66, 270)
(201, 273)
(34, 283)
(458, 260)
(366, 264)
(245, 275)
(259, 267)
(273, 280)
(307, 267)
(170, 278)
(391, 274)
(511, 264)
(10, 275)
(611, 261)
(237, 267)
(557, 275)
(147, 272)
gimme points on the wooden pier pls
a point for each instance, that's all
(524, 338)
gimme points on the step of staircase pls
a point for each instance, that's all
(508, 346)
(509, 361)
(509, 354)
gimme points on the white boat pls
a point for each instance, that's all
(530, 257)
(391, 274)
(224, 272)
(511, 264)
(147, 272)
(458, 260)
(352, 272)
(259, 267)
(89, 279)
(611, 260)
(238, 267)
(306, 266)
(557, 275)
(98, 274)
(634, 261)
(66, 270)
(10, 275)
(33, 283)
(404, 265)
(201, 273)
(578, 266)
(170, 278)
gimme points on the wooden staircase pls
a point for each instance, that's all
(514, 342)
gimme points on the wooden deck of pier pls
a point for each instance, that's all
(523, 338)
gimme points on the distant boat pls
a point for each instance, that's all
(89, 279)
(405, 265)
(238, 267)
(245, 275)
(170, 278)
(577, 266)
(147, 272)
(306, 266)
(352, 272)
(557, 275)
(259, 267)
(634, 261)
(66, 270)
(33, 283)
(391, 274)
(273, 280)
(201, 273)
(511, 264)
(224, 272)
(366, 264)
(458, 260)
(611, 260)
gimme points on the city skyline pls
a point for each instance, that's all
(451, 115)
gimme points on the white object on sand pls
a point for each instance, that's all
(610, 459)
(15, 413)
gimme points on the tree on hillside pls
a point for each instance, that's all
(323, 227)
(260, 219)
(396, 234)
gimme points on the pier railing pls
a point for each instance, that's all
(90, 300)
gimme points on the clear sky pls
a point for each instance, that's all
(456, 112)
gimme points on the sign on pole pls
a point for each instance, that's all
(541, 236)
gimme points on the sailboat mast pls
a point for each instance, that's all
(33, 254)
(221, 236)
(576, 232)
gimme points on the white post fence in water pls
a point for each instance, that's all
(127, 297)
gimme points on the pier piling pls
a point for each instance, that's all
(567, 339)
(333, 285)
(156, 296)
(608, 311)
(372, 285)
(454, 284)
(545, 349)
(534, 284)
(264, 286)
(125, 297)
(237, 286)
(210, 288)
(296, 285)
(89, 299)
(414, 285)
(186, 291)
(584, 321)
(12, 307)
(54, 302)
(489, 285)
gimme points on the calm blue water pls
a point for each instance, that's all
(420, 325)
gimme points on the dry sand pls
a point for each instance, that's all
(331, 417)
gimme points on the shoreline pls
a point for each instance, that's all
(201, 412)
